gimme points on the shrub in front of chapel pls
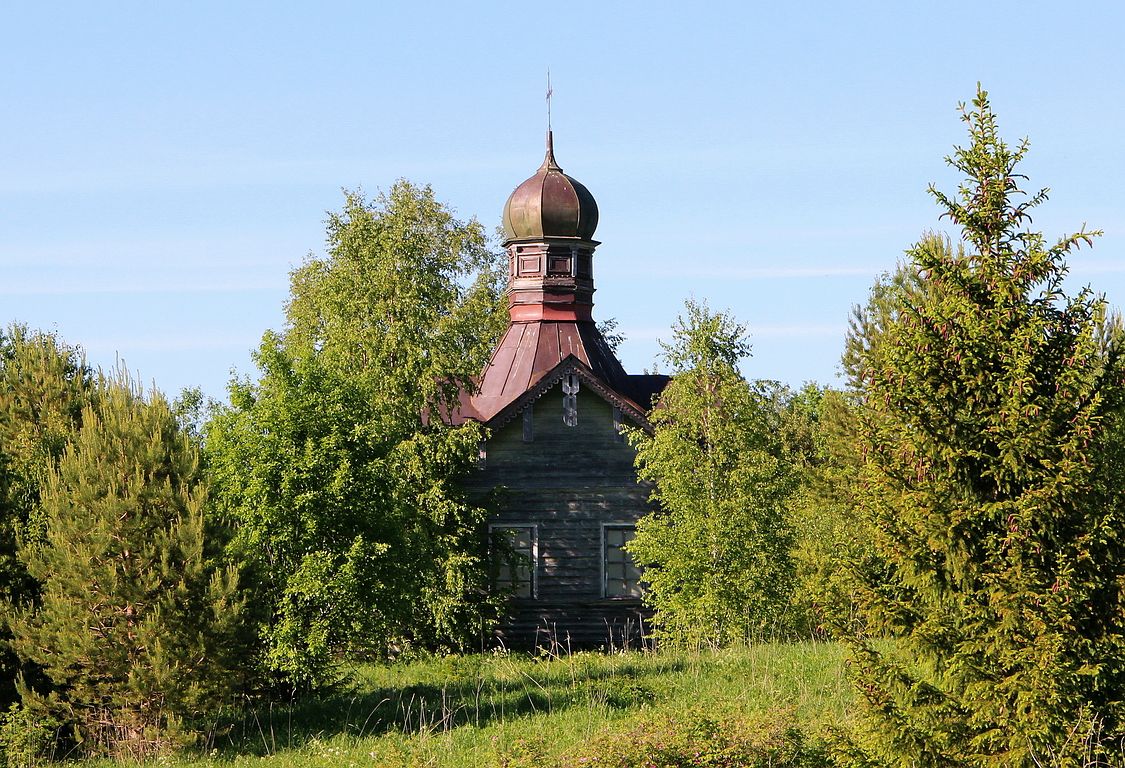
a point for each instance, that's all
(717, 548)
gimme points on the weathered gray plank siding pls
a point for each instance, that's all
(568, 482)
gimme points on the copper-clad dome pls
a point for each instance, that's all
(550, 204)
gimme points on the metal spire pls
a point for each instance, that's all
(549, 161)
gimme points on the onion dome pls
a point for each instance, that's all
(550, 204)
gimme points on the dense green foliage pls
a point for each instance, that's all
(990, 424)
(717, 550)
(333, 468)
(830, 538)
(135, 626)
(44, 387)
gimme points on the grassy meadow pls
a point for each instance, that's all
(578, 709)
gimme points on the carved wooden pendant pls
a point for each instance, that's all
(570, 399)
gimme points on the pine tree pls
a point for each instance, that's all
(136, 627)
(44, 386)
(990, 424)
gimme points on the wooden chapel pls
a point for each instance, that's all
(555, 398)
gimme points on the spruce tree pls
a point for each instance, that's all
(990, 424)
(135, 626)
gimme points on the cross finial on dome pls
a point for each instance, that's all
(550, 93)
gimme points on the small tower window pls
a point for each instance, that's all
(560, 265)
(530, 264)
(583, 265)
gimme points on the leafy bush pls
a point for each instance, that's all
(717, 550)
(830, 538)
(349, 522)
(27, 737)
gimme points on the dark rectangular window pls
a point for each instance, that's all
(559, 265)
(514, 556)
(622, 578)
(618, 425)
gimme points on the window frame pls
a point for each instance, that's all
(619, 425)
(605, 528)
(534, 529)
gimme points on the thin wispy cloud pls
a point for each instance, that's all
(797, 330)
(757, 273)
(224, 251)
(764, 331)
(124, 345)
(227, 171)
(1098, 268)
(162, 289)
(823, 272)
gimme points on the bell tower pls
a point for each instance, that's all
(549, 223)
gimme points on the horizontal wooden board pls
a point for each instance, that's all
(568, 482)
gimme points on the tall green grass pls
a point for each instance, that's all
(514, 710)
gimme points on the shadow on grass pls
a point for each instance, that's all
(463, 700)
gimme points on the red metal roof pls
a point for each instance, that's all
(529, 351)
(549, 221)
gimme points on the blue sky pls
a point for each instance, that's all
(165, 166)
